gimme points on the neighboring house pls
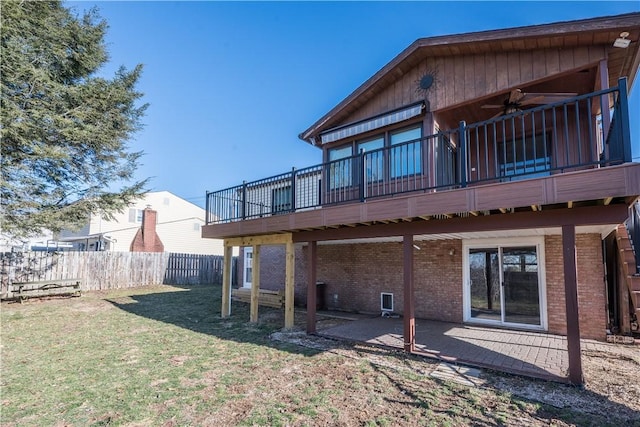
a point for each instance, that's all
(42, 242)
(473, 179)
(178, 225)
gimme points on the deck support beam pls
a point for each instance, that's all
(225, 310)
(289, 285)
(255, 284)
(312, 259)
(571, 301)
(409, 308)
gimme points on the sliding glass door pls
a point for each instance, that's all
(504, 285)
(484, 271)
(520, 287)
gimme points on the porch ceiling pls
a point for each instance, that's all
(602, 230)
(579, 81)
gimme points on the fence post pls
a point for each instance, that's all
(624, 116)
(293, 189)
(462, 153)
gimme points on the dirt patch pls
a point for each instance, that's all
(179, 360)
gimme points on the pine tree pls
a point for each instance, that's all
(64, 129)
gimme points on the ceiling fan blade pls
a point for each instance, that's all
(495, 116)
(536, 100)
(565, 94)
(492, 106)
(547, 98)
(515, 96)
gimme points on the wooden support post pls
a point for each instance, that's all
(289, 285)
(226, 282)
(571, 301)
(255, 284)
(409, 312)
(603, 70)
(312, 256)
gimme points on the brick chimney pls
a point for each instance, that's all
(147, 240)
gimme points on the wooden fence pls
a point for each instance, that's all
(111, 270)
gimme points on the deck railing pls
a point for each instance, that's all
(549, 139)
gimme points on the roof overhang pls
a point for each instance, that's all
(595, 31)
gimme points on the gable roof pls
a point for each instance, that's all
(595, 31)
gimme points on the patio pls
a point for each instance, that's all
(533, 354)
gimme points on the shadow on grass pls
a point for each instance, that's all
(453, 400)
(197, 308)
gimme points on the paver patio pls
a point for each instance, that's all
(534, 354)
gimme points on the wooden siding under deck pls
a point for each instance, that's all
(588, 185)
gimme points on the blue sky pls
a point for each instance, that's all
(232, 84)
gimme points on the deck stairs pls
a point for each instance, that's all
(631, 273)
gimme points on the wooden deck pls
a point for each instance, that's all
(593, 187)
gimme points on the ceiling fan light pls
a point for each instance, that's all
(622, 41)
(511, 109)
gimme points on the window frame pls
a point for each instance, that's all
(394, 147)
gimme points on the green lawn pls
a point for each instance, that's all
(162, 356)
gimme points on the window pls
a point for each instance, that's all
(281, 200)
(374, 160)
(135, 215)
(530, 156)
(406, 159)
(196, 226)
(248, 267)
(340, 167)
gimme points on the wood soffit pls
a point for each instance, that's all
(585, 215)
(561, 35)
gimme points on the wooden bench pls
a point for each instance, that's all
(23, 290)
(265, 297)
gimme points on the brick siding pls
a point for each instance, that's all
(591, 287)
(356, 274)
